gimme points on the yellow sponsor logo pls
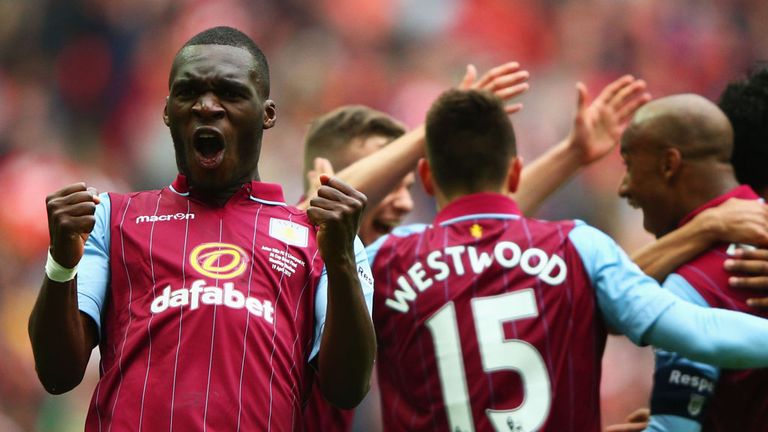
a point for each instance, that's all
(218, 260)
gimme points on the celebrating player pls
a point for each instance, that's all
(487, 320)
(209, 298)
(677, 152)
(351, 132)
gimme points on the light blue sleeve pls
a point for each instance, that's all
(635, 305)
(93, 270)
(681, 387)
(401, 231)
(666, 423)
(321, 295)
(629, 300)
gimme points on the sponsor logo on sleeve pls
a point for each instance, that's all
(288, 232)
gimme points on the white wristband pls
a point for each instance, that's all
(58, 273)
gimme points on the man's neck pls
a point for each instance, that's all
(705, 185)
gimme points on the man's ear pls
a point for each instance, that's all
(165, 113)
(513, 174)
(270, 113)
(425, 174)
(671, 161)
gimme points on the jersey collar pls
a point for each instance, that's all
(477, 204)
(261, 192)
(743, 192)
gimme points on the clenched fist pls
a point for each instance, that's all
(336, 211)
(70, 220)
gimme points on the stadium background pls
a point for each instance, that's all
(82, 86)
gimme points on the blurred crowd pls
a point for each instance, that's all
(83, 82)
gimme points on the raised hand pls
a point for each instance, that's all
(321, 166)
(70, 220)
(751, 266)
(506, 81)
(598, 126)
(336, 211)
(637, 421)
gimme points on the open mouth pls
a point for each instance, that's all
(208, 144)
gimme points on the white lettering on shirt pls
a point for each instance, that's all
(441, 264)
(200, 294)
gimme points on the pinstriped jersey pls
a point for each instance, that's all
(211, 314)
(486, 321)
(719, 406)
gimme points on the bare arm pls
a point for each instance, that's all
(596, 130)
(62, 337)
(735, 221)
(378, 174)
(348, 344)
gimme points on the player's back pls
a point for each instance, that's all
(486, 322)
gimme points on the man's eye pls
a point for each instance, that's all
(184, 92)
(231, 94)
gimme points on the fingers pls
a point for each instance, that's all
(614, 87)
(505, 81)
(511, 109)
(511, 92)
(469, 77)
(639, 415)
(627, 427)
(323, 166)
(751, 254)
(67, 190)
(637, 421)
(749, 282)
(747, 267)
(332, 186)
(758, 303)
(505, 69)
(628, 99)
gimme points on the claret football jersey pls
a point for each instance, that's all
(208, 316)
(490, 321)
(718, 402)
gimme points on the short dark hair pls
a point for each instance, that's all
(330, 135)
(230, 36)
(470, 141)
(745, 103)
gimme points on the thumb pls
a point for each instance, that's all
(469, 77)
(324, 178)
(581, 102)
(94, 193)
(323, 166)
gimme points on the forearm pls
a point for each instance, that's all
(662, 257)
(718, 337)
(377, 174)
(545, 175)
(348, 345)
(61, 343)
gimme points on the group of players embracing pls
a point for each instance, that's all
(483, 319)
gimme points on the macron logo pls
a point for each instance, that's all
(164, 218)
